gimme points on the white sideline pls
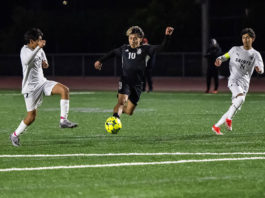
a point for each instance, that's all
(129, 164)
(126, 154)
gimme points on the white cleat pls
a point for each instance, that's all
(67, 124)
(14, 140)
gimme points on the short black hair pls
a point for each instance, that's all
(248, 31)
(135, 30)
(32, 34)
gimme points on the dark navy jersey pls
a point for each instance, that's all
(134, 60)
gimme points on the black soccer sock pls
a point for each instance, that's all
(116, 115)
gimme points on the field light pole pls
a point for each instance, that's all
(204, 33)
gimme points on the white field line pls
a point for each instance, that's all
(71, 93)
(125, 154)
(130, 164)
(81, 93)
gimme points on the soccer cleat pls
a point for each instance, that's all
(14, 140)
(228, 124)
(216, 130)
(67, 124)
(214, 92)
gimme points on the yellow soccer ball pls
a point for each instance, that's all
(113, 125)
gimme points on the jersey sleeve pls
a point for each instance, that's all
(27, 56)
(157, 48)
(259, 62)
(110, 54)
(227, 55)
(43, 55)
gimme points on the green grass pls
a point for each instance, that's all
(163, 122)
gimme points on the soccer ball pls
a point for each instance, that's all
(113, 125)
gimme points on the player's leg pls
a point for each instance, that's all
(208, 80)
(134, 97)
(29, 119)
(216, 80)
(129, 108)
(236, 105)
(32, 100)
(238, 98)
(123, 93)
(118, 109)
(63, 91)
(237, 101)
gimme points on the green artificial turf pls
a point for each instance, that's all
(164, 122)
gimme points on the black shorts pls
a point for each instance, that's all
(134, 92)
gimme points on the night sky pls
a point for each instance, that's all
(98, 26)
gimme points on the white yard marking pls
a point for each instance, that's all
(93, 110)
(129, 164)
(71, 93)
(11, 94)
(126, 154)
(82, 93)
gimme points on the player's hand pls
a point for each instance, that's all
(45, 65)
(41, 43)
(169, 31)
(98, 65)
(258, 70)
(218, 62)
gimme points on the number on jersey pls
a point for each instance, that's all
(132, 55)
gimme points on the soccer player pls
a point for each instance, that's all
(243, 60)
(35, 85)
(133, 68)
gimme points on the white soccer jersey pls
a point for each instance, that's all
(31, 61)
(242, 63)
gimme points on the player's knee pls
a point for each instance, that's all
(239, 101)
(65, 92)
(121, 102)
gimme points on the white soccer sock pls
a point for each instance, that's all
(64, 109)
(237, 102)
(22, 126)
(222, 120)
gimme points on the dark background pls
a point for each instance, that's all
(85, 26)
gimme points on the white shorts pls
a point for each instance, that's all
(34, 99)
(237, 88)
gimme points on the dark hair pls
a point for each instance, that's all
(248, 31)
(32, 34)
(135, 30)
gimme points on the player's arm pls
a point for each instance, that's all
(221, 59)
(45, 63)
(28, 56)
(112, 53)
(259, 62)
(164, 44)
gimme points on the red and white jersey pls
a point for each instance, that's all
(31, 61)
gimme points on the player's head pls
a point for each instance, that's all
(213, 42)
(33, 36)
(248, 36)
(135, 35)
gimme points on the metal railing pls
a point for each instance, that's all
(182, 64)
